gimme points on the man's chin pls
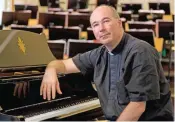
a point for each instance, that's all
(105, 41)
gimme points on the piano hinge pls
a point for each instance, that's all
(20, 117)
(1, 108)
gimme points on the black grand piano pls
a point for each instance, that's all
(23, 58)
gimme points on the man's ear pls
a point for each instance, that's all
(119, 21)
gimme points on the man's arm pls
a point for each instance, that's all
(50, 83)
(132, 112)
(63, 66)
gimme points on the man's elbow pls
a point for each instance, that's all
(141, 106)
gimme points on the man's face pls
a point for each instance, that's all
(105, 26)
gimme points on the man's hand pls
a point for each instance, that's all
(50, 84)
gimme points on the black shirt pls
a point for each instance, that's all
(131, 72)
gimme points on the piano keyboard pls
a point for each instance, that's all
(72, 109)
(59, 109)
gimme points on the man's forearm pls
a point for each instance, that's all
(58, 65)
(64, 66)
(132, 112)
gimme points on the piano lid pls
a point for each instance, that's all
(23, 49)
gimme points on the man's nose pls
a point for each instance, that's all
(101, 27)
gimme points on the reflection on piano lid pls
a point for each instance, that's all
(24, 57)
(78, 96)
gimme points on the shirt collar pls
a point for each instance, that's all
(119, 47)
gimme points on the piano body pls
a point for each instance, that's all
(24, 56)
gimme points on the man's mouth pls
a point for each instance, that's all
(104, 36)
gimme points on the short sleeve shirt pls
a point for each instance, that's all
(131, 72)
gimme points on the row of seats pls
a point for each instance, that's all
(135, 7)
(76, 4)
(127, 12)
(60, 48)
(143, 15)
(68, 19)
(82, 4)
(54, 5)
(17, 17)
(24, 7)
(160, 28)
(65, 18)
(47, 19)
(36, 29)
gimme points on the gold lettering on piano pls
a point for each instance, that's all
(21, 45)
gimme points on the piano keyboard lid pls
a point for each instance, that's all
(20, 49)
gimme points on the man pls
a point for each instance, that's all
(127, 72)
